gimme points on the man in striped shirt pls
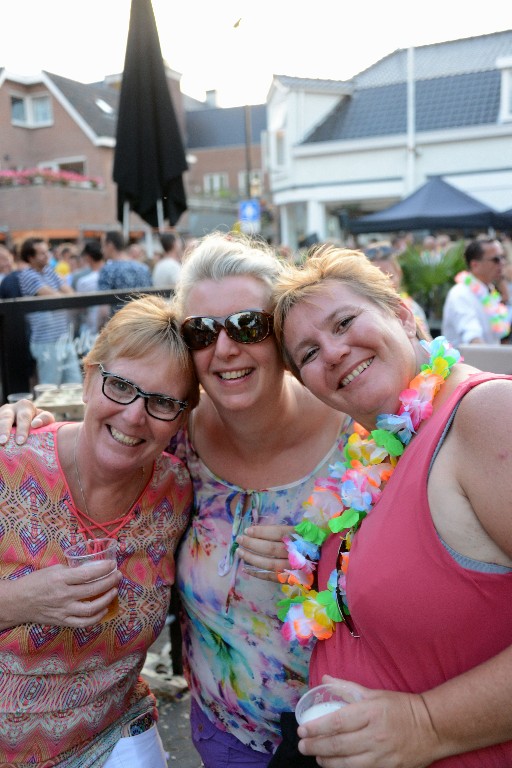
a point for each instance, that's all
(51, 333)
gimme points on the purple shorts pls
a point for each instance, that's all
(219, 749)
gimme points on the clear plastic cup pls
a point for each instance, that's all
(86, 552)
(253, 569)
(42, 389)
(15, 396)
(317, 702)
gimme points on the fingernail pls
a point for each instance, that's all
(20, 440)
(3, 439)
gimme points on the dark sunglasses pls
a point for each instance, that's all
(342, 606)
(249, 326)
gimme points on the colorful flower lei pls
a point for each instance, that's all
(491, 301)
(340, 503)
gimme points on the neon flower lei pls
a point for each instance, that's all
(490, 300)
(340, 503)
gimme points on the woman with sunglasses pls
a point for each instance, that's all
(415, 575)
(71, 691)
(255, 447)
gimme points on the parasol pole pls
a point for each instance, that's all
(126, 221)
(160, 214)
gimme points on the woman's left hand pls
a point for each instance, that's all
(384, 729)
(262, 546)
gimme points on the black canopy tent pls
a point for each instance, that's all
(149, 157)
(435, 205)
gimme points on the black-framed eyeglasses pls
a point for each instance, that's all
(342, 606)
(250, 326)
(124, 392)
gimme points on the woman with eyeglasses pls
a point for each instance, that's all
(70, 688)
(255, 446)
(415, 575)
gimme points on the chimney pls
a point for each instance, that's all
(211, 98)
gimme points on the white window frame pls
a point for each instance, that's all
(213, 183)
(505, 64)
(56, 165)
(30, 120)
(256, 185)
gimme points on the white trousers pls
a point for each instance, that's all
(143, 751)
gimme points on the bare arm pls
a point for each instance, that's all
(25, 416)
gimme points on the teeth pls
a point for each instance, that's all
(123, 439)
(355, 373)
(234, 374)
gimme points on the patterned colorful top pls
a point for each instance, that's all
(64, 692)
(241, 671)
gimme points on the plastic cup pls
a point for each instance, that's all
(15, 396)
(253, 569)
(90, 551)
(41, 389)
(317, 702)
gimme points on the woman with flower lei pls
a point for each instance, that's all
(418, 620)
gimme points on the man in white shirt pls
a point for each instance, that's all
(167, 271)
(474, 312)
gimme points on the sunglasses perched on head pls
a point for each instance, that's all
(249, 326)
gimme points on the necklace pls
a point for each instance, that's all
(490, 300)
(340, 503)
(120, 521)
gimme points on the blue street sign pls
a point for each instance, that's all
(249, 211)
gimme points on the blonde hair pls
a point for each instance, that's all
(329, 262)
(141, 326)
(219, 255)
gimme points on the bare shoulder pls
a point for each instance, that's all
(486, 412)
(480, 457)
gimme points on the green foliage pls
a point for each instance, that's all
(428, 284)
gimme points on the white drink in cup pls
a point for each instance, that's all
(317, 702)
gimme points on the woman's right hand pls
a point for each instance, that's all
(25, 416)
(59, 596)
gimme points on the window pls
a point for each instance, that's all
(280, 148)
(18, 111)
(505, 64)
(255, 187)
(215, 183)
(31, 111)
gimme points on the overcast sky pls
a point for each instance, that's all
(86, 40)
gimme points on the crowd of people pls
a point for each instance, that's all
(56, 340)
(333, 502)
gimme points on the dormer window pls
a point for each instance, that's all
(31, 111)
(505, 64)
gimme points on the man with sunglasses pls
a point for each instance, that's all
(474, 312)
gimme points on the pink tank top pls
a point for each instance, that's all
(422, 618)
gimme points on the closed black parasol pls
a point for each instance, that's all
(149, 158)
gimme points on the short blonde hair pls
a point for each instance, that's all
(220, 255)
(143, 325)
(329, 262)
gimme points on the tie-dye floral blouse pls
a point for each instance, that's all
(241, 671)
